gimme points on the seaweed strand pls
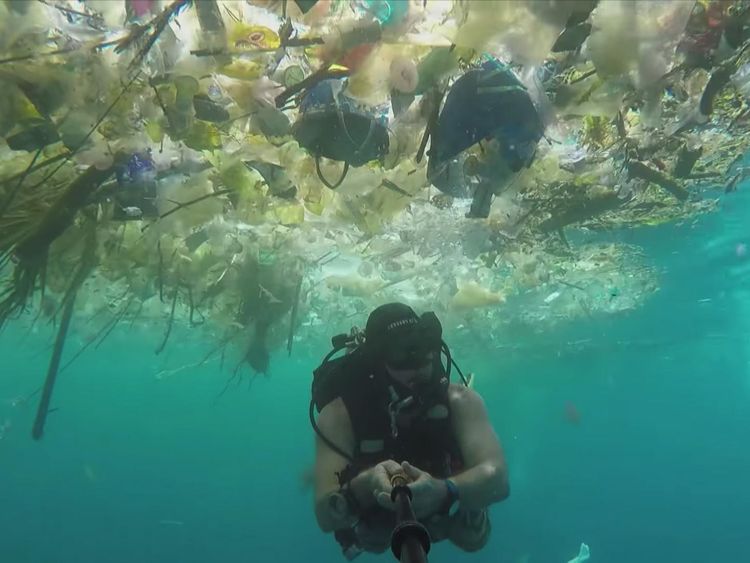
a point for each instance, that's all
(91, 131)
(293, 319)
(160, 271)
(169, 323)
(193, 308)
(14, 192)
(100, 336)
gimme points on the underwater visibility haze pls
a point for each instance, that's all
(197, 196)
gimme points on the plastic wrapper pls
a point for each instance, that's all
(235, 190)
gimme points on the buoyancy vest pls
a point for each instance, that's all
(422, 434)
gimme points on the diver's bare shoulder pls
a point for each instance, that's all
(460, 395)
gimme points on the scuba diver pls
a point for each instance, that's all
(387, 408)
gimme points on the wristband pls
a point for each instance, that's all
(450, 505)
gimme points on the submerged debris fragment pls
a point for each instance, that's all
(220, 146)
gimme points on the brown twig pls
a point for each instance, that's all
(637, 169)
(160, 23)
(188, 203)
(30, 56)
(87, 263)
(583, 77)
(316, 77)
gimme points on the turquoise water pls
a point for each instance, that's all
(135, 469)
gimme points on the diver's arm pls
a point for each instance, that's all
(336, 426)
(485, 479)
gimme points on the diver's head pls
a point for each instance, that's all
(406, 345)
(412, 376)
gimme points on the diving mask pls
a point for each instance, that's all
(414, 344)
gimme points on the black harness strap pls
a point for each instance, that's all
(428, 443)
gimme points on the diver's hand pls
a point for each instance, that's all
(428, 493)
(374, 485)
